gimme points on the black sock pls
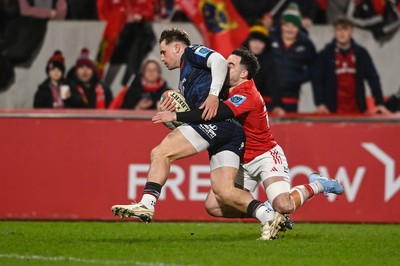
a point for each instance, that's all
(253, 206)
(152, 188)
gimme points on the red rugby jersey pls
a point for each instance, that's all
(248, 106)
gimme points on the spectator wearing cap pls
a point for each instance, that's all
(294, 55)
(341, 69)
(266, 81)
(93, 93)
(55, 92)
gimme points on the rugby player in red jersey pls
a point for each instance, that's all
(202, 74)
(263, 159)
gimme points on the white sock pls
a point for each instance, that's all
(149, 201)
(317, 187)
(265, 215)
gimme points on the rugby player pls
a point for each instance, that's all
(202, 74)
(263, 160)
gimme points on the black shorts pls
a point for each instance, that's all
(225, 135)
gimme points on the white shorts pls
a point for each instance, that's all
(269, 164)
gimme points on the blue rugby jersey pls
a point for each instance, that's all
(195, 76)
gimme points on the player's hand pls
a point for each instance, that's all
(210, 107)
(163, 117)
(167, 105)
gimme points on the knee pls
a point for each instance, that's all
(222, 195)
(283, 204)
(158, 153)
(212, 209)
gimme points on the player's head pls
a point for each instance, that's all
(243, 65)
(172, 45)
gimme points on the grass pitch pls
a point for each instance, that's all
(176, 244)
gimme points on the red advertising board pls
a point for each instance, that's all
(74, 168)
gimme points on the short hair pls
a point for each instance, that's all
(174, 35)
(149, 61)
(343, 22)
(248, 60)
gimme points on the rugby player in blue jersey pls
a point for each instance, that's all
(202, 74)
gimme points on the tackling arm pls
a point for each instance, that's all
(194, 116)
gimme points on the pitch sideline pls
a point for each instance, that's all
(88, 261)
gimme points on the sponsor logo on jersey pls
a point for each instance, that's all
(203, 51)
(237, 99)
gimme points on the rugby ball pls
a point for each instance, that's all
(180, 105)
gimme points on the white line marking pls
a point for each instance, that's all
(89, 261)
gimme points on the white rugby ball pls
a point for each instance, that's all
(180, 105)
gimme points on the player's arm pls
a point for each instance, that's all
(193, 116)
(219, 68)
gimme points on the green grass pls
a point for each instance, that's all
(167, 244)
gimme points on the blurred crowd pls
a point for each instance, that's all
(278, 36)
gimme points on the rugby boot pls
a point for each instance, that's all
(330, 185)
(135, 210)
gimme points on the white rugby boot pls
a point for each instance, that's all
(269, 230)
(135, 210)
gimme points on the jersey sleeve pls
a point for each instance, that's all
(240, 103)
(198, 55)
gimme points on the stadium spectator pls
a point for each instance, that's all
(308, 9)
(341, 69)
(266, 81)
(294, 55)
(24, 34)
(55, 92)
(145, 90)
(129, 23)
(93, 93)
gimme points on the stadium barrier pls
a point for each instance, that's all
(77, 164)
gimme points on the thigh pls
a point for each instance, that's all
(176, 146)
(223, 179)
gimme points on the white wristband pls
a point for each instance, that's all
(214, 91)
